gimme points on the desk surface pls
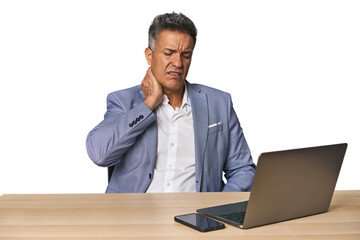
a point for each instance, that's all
(151, 216)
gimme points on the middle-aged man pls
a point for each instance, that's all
(169, 135)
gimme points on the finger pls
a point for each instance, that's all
(150, 74)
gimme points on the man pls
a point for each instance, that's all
(169, 135)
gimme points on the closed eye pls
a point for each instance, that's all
(169, 52)
(187, 55)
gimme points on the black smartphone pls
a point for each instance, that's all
(199, 222)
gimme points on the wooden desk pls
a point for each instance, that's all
(150, 216)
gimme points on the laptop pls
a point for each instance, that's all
(287, 184)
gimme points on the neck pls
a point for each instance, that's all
(175, 97)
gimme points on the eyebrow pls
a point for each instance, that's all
(172, 50)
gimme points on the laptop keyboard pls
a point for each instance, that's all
(235, 217)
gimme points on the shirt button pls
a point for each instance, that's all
(168, 184)
(172, 144)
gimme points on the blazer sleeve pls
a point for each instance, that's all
(239, 167)
(123, 122)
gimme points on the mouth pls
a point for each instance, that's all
(175, 74)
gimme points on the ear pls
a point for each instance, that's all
(148, 55)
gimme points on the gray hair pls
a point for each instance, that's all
(170, 21)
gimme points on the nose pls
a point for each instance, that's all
(177, 61)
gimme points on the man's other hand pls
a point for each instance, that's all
(152, 90)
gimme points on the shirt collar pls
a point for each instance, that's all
(186, 99)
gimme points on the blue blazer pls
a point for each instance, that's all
(127, 139)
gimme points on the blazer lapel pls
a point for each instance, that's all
(199, 106)
(151, 135)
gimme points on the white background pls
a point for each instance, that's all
(292, 68)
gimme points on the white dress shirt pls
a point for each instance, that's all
(175, 162)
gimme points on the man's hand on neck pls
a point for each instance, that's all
(153, 92)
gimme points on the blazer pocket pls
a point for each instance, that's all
(214, 128)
